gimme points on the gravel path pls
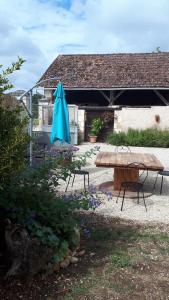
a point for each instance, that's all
(157, 205)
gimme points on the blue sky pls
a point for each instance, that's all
(39, 30)
(66, 4)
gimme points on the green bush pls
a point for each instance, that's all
(31, 199)
(150, 137)
(13, 130)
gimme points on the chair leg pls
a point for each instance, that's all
(161, 185)
(85, 182)
(155, 182)
(123, 199)
(118, 195)
(145, 176)
(144, 201)
(73, 179)
(67, 183)
(138, 197)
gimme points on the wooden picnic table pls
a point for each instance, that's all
(120, 160)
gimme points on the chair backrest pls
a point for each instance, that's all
(140, 166)
(122, 148)
(75, 158)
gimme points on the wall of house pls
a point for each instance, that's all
(142, 118)
(48, 94)
(81, 124)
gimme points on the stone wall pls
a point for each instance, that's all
(142, 118)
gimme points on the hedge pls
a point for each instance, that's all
(150, 137)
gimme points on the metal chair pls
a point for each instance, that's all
(136, 187)
(122, 148)
(78, 172)
(126, 149)
(163, 174)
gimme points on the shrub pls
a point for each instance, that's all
(13, 135)
(31, 200)
(150, 137)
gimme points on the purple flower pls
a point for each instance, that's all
(29, 221)
(87, 232)
(83, 221)
(33, 215)
(68, 197)
(94, 203)
(92, 189)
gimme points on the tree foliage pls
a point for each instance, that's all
(4, 81)
(13, 134)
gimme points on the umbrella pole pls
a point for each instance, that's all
(30, 129)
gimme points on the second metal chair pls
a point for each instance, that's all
(136, 187)
(163, 174)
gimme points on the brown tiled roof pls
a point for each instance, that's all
(106, 71)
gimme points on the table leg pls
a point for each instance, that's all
(121, 175)
(124, 174)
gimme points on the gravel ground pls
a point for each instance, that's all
(157, 205)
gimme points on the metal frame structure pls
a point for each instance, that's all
(29, 112)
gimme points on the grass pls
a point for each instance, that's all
(150, 137)
(121, 259)
(121, 233)
(129, 257)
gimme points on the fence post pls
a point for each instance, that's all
(30, 129)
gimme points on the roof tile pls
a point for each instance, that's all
(106, 71)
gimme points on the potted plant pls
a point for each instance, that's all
(96, 126)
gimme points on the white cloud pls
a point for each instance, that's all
(38, 30)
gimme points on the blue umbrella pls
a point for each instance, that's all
(60, 123)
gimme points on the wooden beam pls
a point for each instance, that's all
(119, 94)
(107, 108)
(105, 96)
(112, 98)
(162, 98)
(111, 89)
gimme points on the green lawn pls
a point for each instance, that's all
(130, 262)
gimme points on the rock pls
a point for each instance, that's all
(74, 253)
(56, 267)
(92, 254)
(74, 260)
(81, 253)
(27, 255)
(65, 262)
(69, 252)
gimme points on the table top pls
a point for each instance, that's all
(122, 159)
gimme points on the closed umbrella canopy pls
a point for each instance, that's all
(60, 123)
